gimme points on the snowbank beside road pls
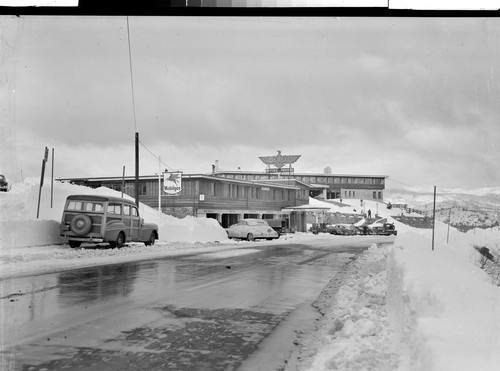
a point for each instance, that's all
(439, 310)
(21, 227)
(442, 307)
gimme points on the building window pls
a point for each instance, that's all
(374, 194)
(380, 195)
(143, 189)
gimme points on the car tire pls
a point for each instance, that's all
(250, 237)
(81, 225)
(119, 242)
(151, 240)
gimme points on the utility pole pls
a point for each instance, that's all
(52, 181)
(137, 169)
(123, 179)
(159, 185)
(449, 222)
(44, 160)
(433, 218)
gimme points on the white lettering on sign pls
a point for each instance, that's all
(172, 183)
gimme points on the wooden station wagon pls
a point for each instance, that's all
(95, 219)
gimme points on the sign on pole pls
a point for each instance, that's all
(172, 182)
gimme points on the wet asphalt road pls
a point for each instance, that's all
(204, 312)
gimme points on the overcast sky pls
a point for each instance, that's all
(416, 99)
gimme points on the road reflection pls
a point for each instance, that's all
(84, 286)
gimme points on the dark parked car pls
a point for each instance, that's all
(4, 185)
(386, 229)
(91, 218)
(363, 230)
(341, 229)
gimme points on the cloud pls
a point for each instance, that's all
(403, 97)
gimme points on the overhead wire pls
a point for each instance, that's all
(397, 181)
(131, 74)
(155, 156)
(133, 95)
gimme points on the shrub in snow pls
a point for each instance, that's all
(489, 261)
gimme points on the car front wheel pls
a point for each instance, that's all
(250, 237)
(151, 240)
(119, 242)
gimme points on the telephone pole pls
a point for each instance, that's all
(137, 169)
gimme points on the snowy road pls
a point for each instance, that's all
(205, 311)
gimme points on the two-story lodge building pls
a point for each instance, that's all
(229, 196)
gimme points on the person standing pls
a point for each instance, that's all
(369, 213)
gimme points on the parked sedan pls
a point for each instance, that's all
(251, 229)
(341, 229)
(4, 185)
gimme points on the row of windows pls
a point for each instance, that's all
(313, 179)
(219, 189)
(376, 194)
(98, 207)
(257, 192)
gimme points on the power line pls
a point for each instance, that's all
(157, 157)
(131, 74)
(397, 181)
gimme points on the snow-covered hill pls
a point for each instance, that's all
(467, 209)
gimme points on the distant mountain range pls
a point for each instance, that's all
(467, 209)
